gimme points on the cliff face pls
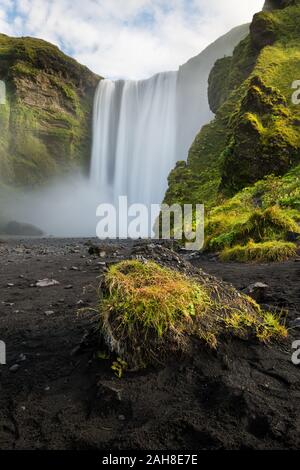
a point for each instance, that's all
(192, 104)
(256, 129)
(46, 119)
(245, 165)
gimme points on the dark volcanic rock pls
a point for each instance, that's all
(257, 291)
(292, 236)
(23, 230)
(278, 4)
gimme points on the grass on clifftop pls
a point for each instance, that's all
(149, 311)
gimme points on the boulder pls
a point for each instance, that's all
(24, 230)
(278, 4)
(257, 291)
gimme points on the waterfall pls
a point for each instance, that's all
(142, 128)
(134, 138)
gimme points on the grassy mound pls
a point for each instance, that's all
(241, 224)
(149, 311)
(265, 212)
(260, 252)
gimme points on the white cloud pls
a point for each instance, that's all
(131, 38)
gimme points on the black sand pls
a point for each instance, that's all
(244, 396)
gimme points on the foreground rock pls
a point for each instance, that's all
(149, 312)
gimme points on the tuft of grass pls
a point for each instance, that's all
(272, 251)
(153, 297)
(149, 311)
(267, 224)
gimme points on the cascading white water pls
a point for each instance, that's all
(134, 138)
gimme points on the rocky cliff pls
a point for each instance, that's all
(255, 134)
(45, 121)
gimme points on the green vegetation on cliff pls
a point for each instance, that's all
(244, 166)
(46, 121)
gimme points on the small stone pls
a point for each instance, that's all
(121, 418)
(102, 254)
(22, 357)
(296, 323)
(47, 283)
(47, 388)
(74, 268)
(49, 312)
(14, 368)
(10, 284)
(257, 291)
(69, 286)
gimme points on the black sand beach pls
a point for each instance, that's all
(55, 394)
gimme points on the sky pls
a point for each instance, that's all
(130, 39)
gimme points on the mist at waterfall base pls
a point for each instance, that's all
(66, 208)
(140, 130)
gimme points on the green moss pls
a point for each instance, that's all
(199, 180)
(239, 219)
(267, 224)
(149, 311)
(23, 70)
(152, 296)
(266, 252)
(219, 83)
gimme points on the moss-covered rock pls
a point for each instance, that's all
(45, 123)
(218, 83)
(264, 139)
(150, 312)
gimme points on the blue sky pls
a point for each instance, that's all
(126, 38)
